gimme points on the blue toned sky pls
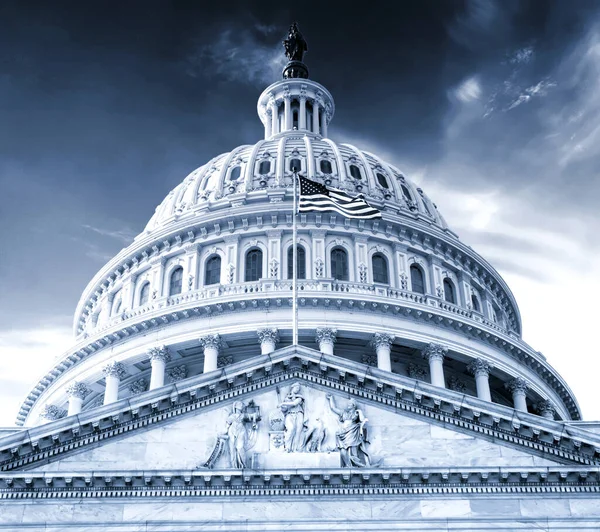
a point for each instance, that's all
(490, 105)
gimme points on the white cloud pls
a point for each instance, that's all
(468, 90)
(238, 55)
(25, 355)
(126, 236)
(539, 89)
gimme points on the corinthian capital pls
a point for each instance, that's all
(78, 389)
(159, 353)
(325, 335)
(211, 341)
(382, 340)
(434, 352)
(114, 369)
(518, 385)
(546, 408)
(479, 367)
(268, 335)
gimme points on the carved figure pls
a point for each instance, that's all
(293, 409)
(351, 438)
(295, 45)
(236, 437)
(315, 437)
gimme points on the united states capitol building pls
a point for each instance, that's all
(410, 401)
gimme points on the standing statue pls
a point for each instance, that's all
(295, 45)
(351, 438)
(293, 409)
(236, 438)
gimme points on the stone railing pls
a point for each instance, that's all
(266, 286)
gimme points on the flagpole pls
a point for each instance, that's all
(295, 261)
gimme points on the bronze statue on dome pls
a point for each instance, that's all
(295, 45)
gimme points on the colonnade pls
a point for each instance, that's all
(325, 337)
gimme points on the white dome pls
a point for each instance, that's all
(267, 165)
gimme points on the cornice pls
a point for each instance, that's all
(451, 409)
(300, 482)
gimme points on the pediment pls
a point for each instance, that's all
(410, 424)
(251, 431)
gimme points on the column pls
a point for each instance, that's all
(435, 354)
(268, 339)
(159, 356)
(324, 122)
(481, 370)
(518, 387)
(546, 408)
(302, 117)
(274, 118)
(325, 337)
(77, 392)
(114, 372)
(315, 126)
(382, 342)
(268, 122)
(287, 112)
(211, 344)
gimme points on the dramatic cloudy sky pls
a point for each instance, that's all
(492, 106)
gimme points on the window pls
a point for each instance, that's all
(380, 269)
(176, 281)
(382, 180)
(326, 167)
(339, 264)
(253, 265)
(264, 167)
(417, 279)
(145, 293)
(300, 262)
(212, 274)
(295, 119)
(475, 303)
(355, 171)
(235, 173)
(116, 307)
(449, 294)
(295, 164)
(406, 192)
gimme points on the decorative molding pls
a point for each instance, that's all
(52, 412)
(159, 353)
(224, 360)
(139, 386)
(479, 367)
(269, 334)
(177, 373)
(517, 385)
(434, 352)
(325, 335)
(382, 339)
(454, 383)
(369, 360)
(211, 341)
(78, 389)
(416, 372)
(114, 369)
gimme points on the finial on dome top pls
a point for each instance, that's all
(295, 48)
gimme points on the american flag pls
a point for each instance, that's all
(317, 197)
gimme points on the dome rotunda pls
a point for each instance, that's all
(208, 282)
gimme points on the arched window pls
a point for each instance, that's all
(355, 172)
(406, 192)
(116, 306)
(264, 167)
(380, 269)
(382, 180)
(212, 272)
(145, 293)
(295, 164)
(475, 303)
(417, 279)
(326, 166)
(176, 281)
(254, 259)
(339, 264)
(449, 293)
(300, 262)
(235, 173)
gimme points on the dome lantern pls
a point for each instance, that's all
(295, 103)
